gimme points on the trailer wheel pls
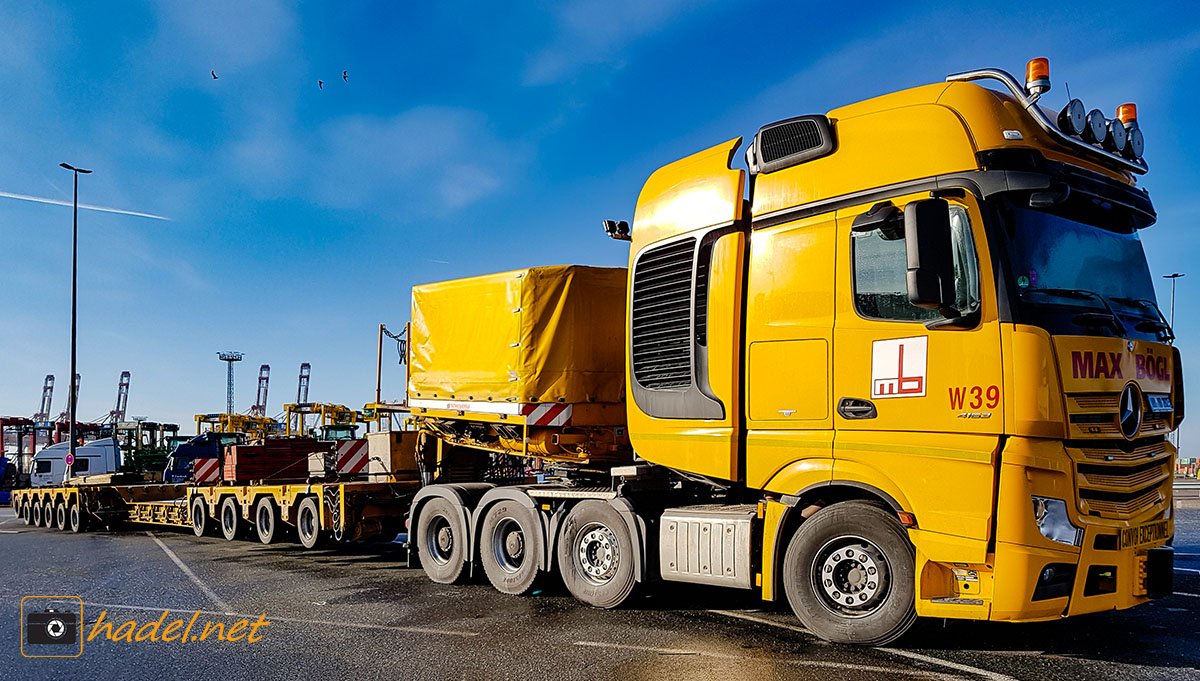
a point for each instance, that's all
(595, 555)
(442, 540)
(199, 516)
(308, 522)
(510, 541)
(76, 520)
(231, 518)
(27, 513)
(266, 521)
(60, 516)
(849, 575)
(36, 513)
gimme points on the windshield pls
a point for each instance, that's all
(1082, 272)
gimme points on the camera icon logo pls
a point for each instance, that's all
(50, 626)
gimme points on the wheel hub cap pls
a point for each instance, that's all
(598, 553)
(851, 576)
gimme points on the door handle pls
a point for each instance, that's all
(856, 408)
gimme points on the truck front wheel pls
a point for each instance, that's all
(442, 541)
(510, 541)
(848, 575)
(596, 555)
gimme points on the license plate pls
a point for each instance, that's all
(1150, 533)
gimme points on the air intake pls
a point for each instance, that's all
(661, 324)
(788, 143)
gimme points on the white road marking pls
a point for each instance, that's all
(10, 532)
(1184, 593)
(1188, 571)
(212, 596)
(928, 659)
(888, 671)
(10, 520)
(292, 620)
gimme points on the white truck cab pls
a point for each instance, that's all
(49, 467)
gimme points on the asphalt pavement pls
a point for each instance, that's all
(360, 612)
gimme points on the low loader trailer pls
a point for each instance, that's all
(907, 363)
(315, 511)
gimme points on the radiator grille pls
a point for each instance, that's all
(661, 321)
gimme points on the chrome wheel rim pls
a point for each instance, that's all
(851, 576)
(597, 553)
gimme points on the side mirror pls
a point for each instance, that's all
(930, 254)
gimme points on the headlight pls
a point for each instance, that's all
(1053, 522)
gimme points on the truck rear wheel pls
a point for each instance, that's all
(231, 518)
(36, 513)
(510, 541)
(199, 516)
(60, 516)
(442, 540)
(596, 555)
(76, 520)
(266, 520)
(308, 522)
(849, 575)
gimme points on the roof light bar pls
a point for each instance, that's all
(1114, 153)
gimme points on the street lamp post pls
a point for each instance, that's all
(73, 397)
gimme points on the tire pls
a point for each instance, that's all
(36, 514)
(308, 522)
(510, 543)
(442, 540)
(200, 518)
(849, 575)
(27, 513)
(76, 520)
(60, 516)
(596, 555)
(231, 519)
(266, 521)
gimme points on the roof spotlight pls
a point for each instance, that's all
(1073, 118)
(1096, 128)
(1115, 136)
(1135, 145)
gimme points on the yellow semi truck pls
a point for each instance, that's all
(909, 364)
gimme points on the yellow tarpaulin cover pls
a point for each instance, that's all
(544, 334)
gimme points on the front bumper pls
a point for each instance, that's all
(1089, 580)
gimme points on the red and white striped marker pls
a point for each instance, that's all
(206, 470)
(547, 414)
(352, 456)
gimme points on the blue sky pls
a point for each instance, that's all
(469, 139)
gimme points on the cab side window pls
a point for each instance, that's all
(880, 271)
(43, 466)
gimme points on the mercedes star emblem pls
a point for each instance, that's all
(1131, 411)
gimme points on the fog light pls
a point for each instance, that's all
(1054, 523)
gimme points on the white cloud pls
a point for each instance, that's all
(427, 160)
(597, 32)
(229, 34)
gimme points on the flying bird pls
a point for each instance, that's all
(320, 85)
(214, 74)
(345, 77)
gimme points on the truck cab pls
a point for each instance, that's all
(933, 303)
(98, 457)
